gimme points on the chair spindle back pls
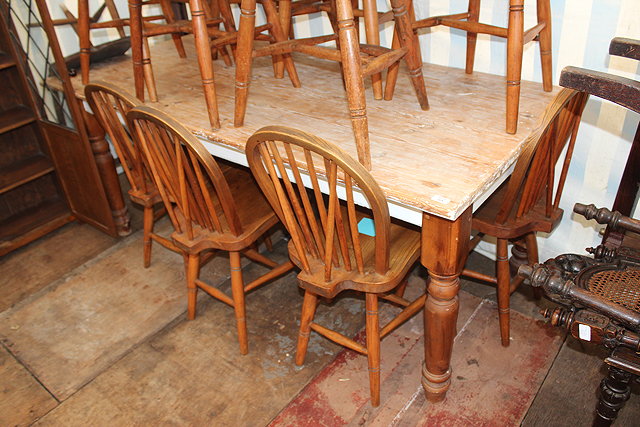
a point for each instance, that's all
(534, 173)
(191, 183)
(324, 230)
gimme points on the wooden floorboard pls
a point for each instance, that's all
(110, 340)
(569, 394)
(22, 399)
(28, 270)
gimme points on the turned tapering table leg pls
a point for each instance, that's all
(109, 176)
(445, 246)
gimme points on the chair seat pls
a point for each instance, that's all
(255, 214)
(145, 198)
(404, 250)
(484, 219)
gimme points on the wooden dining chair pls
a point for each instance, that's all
(212, 14)
(326, 243)
(516, 37)
(211, 208)
(110, 105)
(357, 60)
(529, 201)
(86, 23)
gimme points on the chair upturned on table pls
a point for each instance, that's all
(358, 61)
(327, 242)
(516, 37)
(529, 201)
(211, 208)
(209, 17)
(110, 105)
(86, 23)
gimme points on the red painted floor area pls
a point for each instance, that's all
(491, 385)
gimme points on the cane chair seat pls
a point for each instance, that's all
(618, 283)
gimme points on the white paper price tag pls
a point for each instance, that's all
(584, 332)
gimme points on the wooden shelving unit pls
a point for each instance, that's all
(32, 202)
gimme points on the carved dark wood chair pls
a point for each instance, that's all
(529, 201)
(211, 208)
(600, 303)
(516, 37)
(110, 106)
(326, 243)
(626, 93)
(357, 61)
(601, 295)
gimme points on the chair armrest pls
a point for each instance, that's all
(621, 90)
(627, 48)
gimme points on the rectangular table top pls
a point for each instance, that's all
(439, 161)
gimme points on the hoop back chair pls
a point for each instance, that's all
(210, 208)
(529, 201)
(325, 242)
(110, 105)
(516, 37)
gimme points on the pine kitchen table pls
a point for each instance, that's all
(435, 166)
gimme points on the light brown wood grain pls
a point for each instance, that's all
(438, 161)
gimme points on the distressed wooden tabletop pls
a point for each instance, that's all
(439, 161)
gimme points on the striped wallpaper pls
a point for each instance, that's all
(582, 30)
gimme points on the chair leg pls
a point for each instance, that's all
(148, 70)
(504, 279)
(351, 66)
(401, 288)
(373, 347)
(614, 393)
(169, 16)
(193, 270)
(392, 71)
(273, 18)
(309, 305)
(205, 61)
(474, 13)
(244, 49)
(284, 11)
(408, 38)
(532, 257)
(85, 43)
(544, 15)
(148, 219)
(372, 31)
(135, 22)
(515, 33)
(237, 291)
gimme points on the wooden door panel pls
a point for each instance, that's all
(79, 177)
